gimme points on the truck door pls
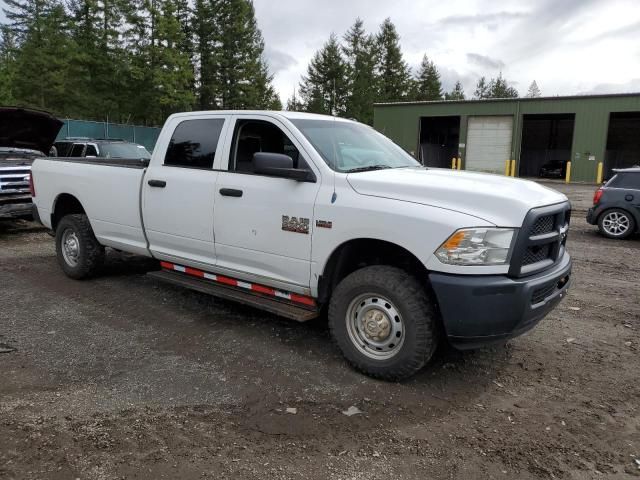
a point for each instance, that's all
(264, 224)
(178, 191)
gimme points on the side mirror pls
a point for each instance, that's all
(279, 165)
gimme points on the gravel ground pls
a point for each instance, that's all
(125, 377)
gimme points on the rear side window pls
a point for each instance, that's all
(625, 180)
(194, 143)
(91, 151)
(77, 150)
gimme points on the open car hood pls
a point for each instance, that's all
(33, 129)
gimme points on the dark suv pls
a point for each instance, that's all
(616, 205)
(98, 147)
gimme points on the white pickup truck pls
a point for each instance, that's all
(299, 214)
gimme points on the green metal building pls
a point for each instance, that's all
(540, 134)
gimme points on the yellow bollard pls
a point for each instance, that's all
(459, 163)
(507, 167)
(600, 173)
(567, 178)
(453, 163)
(513, 168)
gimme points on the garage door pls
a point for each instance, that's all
(488, 143)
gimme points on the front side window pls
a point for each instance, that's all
(194, 143)
(352, 147)
(253, 136)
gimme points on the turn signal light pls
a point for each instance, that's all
(597, 196)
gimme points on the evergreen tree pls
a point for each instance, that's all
(294, 104)
(427, 85)
(456, 94)
(499, 88)
(534, 90)
(482, 89)
(232, 72)
(7, 66)
(359, 50)
(392, 70)
(324, 89)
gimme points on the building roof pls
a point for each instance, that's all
(518, 99)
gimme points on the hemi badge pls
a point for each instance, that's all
(324, 224)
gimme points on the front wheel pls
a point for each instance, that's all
(616, 223)
(383, 321)
(79, 253)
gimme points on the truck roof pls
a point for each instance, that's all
(278, 113)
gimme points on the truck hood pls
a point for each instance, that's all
(500, 200)
(31, 129)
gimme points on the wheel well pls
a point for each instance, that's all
(355, 254)
(66, 204)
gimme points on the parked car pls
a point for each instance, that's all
(616, 205)
(231, 204)
(24, 136)
(98, 147)
(553, 169)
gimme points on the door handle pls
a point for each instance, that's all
(157, 183)
(230, 192)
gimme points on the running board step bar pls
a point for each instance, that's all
(271, 305)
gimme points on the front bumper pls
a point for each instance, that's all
(15, 207)
(480, 310)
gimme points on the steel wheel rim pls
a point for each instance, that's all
(70, 247)
(615, 223)
(375, 326)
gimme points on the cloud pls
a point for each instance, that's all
(487, 19)
(485, 61)
(631, 86)
(278, 60)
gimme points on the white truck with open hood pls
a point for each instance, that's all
(301, 214)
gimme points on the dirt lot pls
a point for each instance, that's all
(125, 377)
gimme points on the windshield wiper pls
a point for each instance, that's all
(368, 169)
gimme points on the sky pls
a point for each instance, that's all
(567, 46)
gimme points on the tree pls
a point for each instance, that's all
(324, 89)
(294, 104)
(392, 71)
(482, 89)
(533, 91)
(456, 94)
(232, 72)
(7, 66)
(360, 56)
(427, 85)
(499, 88)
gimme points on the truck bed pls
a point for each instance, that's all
(108, 190)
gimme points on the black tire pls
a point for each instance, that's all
(90, 254)
(608, 231)
(418, 321)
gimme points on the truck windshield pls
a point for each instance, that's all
(353, 147)
(123, 150)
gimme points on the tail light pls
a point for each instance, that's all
(32, 187)
(597, 196)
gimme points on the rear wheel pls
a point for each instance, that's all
(79, 253)
(383, 322)
(616, 223)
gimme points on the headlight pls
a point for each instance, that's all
(477, 246)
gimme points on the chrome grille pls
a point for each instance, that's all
(14, 180)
